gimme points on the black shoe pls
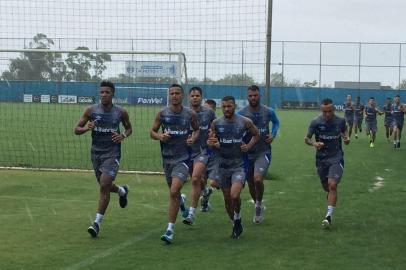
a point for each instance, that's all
(123, 199)
(398, 145)
(94, 229)
(237, 229)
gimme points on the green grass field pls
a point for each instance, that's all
(44, 215)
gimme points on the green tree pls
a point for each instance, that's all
(36, 65)
(84, 66)
(402, 84)
(236, 79)
(310, 84)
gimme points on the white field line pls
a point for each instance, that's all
(89, 261)
(379, 183)
(27, 209)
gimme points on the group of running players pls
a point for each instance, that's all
(394, 117)
(229, 150)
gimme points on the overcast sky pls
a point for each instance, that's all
(340, 20)
(293, 20)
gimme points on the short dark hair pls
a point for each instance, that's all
(397, 96)
(211, 102)
(327, 101)
(253, 87)
(228, 98)
(372, 98)
(176, 85)
(108, 84)
(196, 88)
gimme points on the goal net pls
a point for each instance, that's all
(44, 92)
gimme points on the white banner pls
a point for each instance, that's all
(152, 69)
(67, 99)
(27, 98)
(45, 98)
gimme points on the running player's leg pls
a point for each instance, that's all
(261, 169)
(197, 176)
(335, 173)
(250, 179)
(238, 179)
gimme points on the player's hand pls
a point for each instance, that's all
(346, 140)
(91, 125)
(269, 139)
(212, 140)
(117, 137)
(244, 147)
(164, 137)
(189, 140)
(318, 145)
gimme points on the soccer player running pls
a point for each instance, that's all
(398, 111)
(371, 125)
(226, 134)
(199, 150)
(176, 122)
(328, 130)
(103, 121)
(259, 157)
(387, 109)
(358, 116)
(348, 108)
(212, 171)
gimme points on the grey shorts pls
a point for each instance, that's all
(358, 120)
(179, 170)
(202, 157)
(107, 166)
(387, 122)
(212, 170)
(370, 127)
(259, 164)
(327, 170)
(228, 176)
(349, 121)
(397, 124)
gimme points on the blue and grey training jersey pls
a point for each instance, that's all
(204, 117)
(387, 109)
(177, 125)
(106, 123)
(358, 111)
(261, 120)
(397, 113)
(230, 133)
(348, 111)
(370, 114)
(328, 132)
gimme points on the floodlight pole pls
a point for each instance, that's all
(268, 53)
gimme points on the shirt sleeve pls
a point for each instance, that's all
(275, 122)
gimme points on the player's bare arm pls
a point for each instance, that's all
(255, 136)
(212, 140)
(317, 145)
(81, 126)
(116, 137)
(155, 128)
(196, 131)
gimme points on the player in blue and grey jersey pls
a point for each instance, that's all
(398, 111)
(348, 108)
(103, 120)
(358, 116)
(259, 157)
(328, 130)
(176, 122)
(387, 109)
(371, 126)
(226, 134)
(199, 149)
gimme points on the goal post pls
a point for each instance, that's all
(44, 92)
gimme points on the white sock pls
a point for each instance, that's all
(121, 191)
(258, 204)
(330, 210)
(192, 211)
(171, 226)
(237, 216)
(99, 218)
